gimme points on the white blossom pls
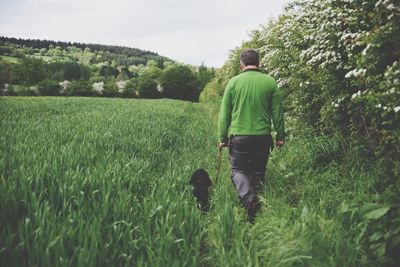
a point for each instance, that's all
(281, 82)
(99, 87)
(356, 94)
(364, 52)
(121, 85)
(160, 88)
(397, 109)
(340, 99)
(34, 89)
(356, 73)
(64, 86)
(6, 87)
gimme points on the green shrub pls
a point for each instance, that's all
(80, 88)
(147, 86)
(49, 88)
(110, 88)
(179, 82)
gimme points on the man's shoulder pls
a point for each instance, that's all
(232, 80)
(259, 74)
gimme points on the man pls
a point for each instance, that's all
(251, 101)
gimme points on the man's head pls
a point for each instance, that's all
(249, 57)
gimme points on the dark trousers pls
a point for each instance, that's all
(249, 156)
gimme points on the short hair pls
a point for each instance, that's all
(250, 57)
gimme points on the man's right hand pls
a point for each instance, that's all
(223, 144)
(280, 143)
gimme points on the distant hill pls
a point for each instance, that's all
(43, 67)
(119, 55)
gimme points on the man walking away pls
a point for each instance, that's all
(251, 101)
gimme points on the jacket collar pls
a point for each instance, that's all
(255, 69)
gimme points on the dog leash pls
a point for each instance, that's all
(219, 165)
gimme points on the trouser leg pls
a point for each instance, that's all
(258, 163)
(248, 156)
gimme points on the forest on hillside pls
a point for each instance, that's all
(120, 55)
(50, 68)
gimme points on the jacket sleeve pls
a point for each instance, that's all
(225, 114)
(277, 114)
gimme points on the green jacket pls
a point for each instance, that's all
(251, 100)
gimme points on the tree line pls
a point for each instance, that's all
(76, 72)
(118, 51)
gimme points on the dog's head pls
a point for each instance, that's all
(201, 183)
(200, 178)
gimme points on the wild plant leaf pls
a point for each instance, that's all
(373, 211)
(375, 236)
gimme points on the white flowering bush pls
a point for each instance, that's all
(121, 86)
(339, 60)
(64, 87)
(98, 87)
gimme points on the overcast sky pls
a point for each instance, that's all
(189, 31)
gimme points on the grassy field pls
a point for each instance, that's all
(104, 182)
(10, 59)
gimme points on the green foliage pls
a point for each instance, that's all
(130, 88)
(204, 75)
(9, 59)
(49, 88)
(213, 90)
(147, 86)
(80, 88)
(123, 74)
(69, 71)
(30, 71)
(108, 71)
(179, 82)
(110, 88)
(84, 53)
(216, 86)
(73, 62)
(5, 72)
(20, 90)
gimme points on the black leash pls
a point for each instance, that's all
(219, 165)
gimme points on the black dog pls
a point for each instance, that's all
(201, 183)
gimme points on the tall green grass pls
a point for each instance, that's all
(87, 182)
(104, 182)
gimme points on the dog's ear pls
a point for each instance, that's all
(194, 180)
(200, 178)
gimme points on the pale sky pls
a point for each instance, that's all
(189, 31)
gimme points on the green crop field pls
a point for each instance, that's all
(104, 182)
(10, 59)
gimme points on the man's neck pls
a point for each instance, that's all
(250, 67)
